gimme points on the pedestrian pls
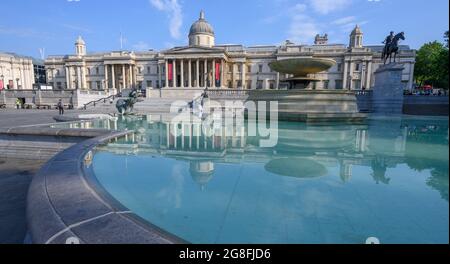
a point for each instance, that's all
(60, 107)
(17, 103)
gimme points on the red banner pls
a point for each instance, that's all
(170, 71)
(1, 85)
(217, 71)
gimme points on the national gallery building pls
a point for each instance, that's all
(205, 64)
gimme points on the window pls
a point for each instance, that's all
(259, 84)
(325, 84)
(229, 84)
(149, 83)
(157, 69)
(249, 68)
(57, 72)
(88, 71)
(248, 84)
(239, 83)
(356, 84)
(338, 84)
(157, 84)
(139, 84)
(239, 68)
(96, 70)
(271, 84)
(260, 68)
(59, 86)
(230, 68)
(99, 85)
(139, 70)
(149, 70)
(339, 67)
(357, 67)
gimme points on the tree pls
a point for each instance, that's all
(432, 64)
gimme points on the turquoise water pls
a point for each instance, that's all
(334, 183)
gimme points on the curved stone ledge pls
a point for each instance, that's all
(65, 204)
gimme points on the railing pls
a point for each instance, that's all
(227, 93)
(94, 103)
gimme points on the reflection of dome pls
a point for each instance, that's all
(201, 172)
(296, 167)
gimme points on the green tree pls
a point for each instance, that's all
(432, 64)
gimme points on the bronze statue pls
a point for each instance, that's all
(125, 106)
(391, 46)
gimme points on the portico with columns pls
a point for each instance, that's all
(186, 68)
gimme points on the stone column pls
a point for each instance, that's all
(190, 74)
(67, 78)
(83, 77)
(113, 77)
(368, 74)
(166, 69)
(243, 75)
(123, 77)
(182, 73)
(233, 81)
(345, 78)
(78, 77)
(214, 73)
(131, 76)
(174, 65)
(197, 79)
(222, 75)
(277, 81)
(159, 75)
(351, 76)
(205, 74)
(106, 78)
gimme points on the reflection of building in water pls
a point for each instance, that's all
(342, 146)
(201, 172)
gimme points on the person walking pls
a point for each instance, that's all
(60, 107)
(17, 103)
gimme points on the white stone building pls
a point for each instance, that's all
(16, 72)
(204, 64)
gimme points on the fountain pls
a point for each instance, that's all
(301, 68)
(299, 103)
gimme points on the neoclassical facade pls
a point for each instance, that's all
(16, 72)
(204, 64)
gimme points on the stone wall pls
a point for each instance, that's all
(425, 105)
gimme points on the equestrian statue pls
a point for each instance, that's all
(391, 46)
(125, 106)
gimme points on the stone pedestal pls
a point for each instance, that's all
(388, 90)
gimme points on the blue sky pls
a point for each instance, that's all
(27, 25)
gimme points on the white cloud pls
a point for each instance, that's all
(327, 6)
(302, 27)
(174, 12)
(141, 46)
(344, 20)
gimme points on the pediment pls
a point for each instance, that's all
(184, 50)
